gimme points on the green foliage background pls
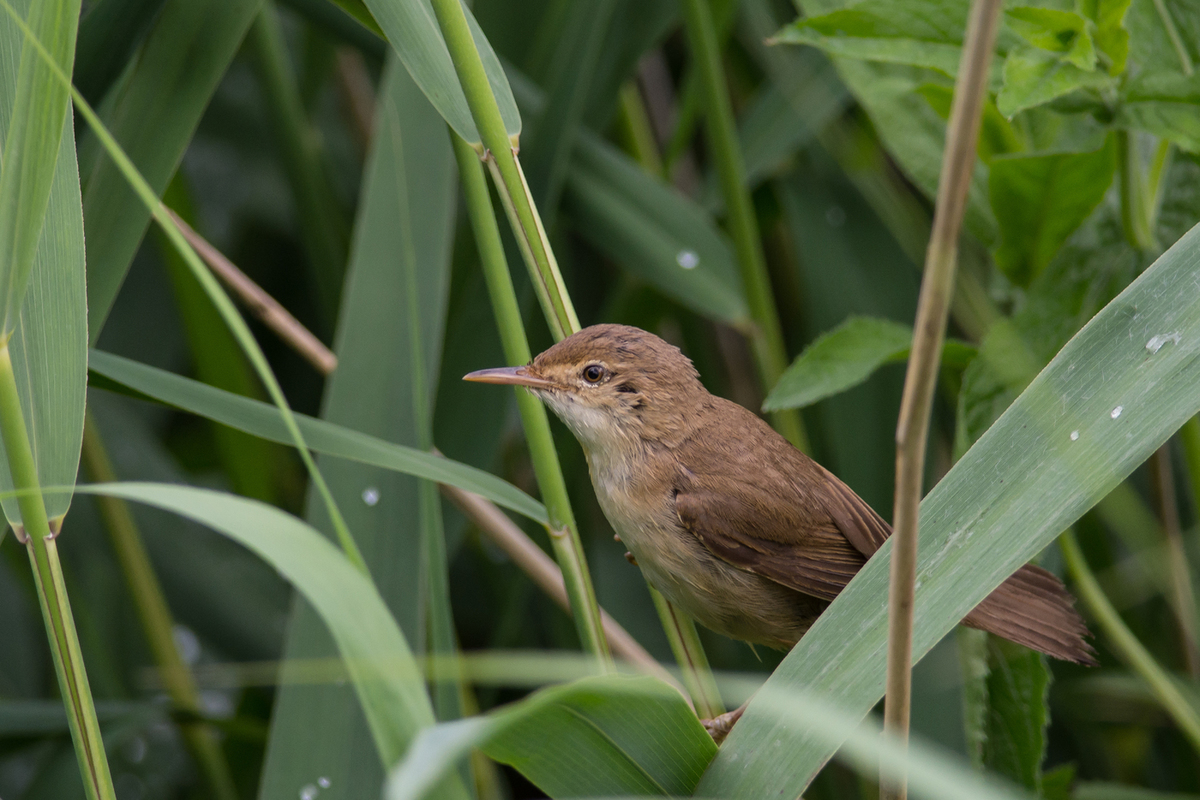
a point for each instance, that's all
(316, 155)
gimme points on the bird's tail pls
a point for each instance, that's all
(1033, 608)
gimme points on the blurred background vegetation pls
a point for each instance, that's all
(285, 135)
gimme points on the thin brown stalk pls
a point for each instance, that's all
(262, 305)
(937, 288)
(545, 573)
(1183, 594)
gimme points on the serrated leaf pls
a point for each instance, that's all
(1040, 200)
(1018, 683)
(1033, 76)
(1057, 31)
(1110, 35)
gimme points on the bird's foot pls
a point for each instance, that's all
(719, 727)
(629, 557)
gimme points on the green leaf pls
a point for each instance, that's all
(1021, 484)
(1040, 200)
(1033, 76)
(1063, 32)
(845, 357)
(996, 134)
(152, 115)
(925, 33)
(388, 346)
(374, 651)
(412, 30)
(263, 419)
(1095, 790)
(1110, 35)
(49, 343)
(1057, 783)
(607, 735)
(1018, 684)
(33, 111)
(1166, 104)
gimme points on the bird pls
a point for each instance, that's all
(726, 518)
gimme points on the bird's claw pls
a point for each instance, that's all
(719, 727)
(629, 557)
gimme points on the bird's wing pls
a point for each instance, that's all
(816, 560)
(857, 521)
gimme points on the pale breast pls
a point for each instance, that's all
(716, 594)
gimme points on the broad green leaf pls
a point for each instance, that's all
(49, 332)
(931, 773)
(996, 134)
(845, 357)
(263, 419)
(153, 116)
(1095, 790)
(376, 656)
(1018, 684)
(1033, 76)
(1110, 35)
(647, 226)
(412, 30)
(609, 735)
(1094, 413)
(1166, 104)
(1062, 32)
(388, 346)
(108, 35)
(1040, 200)
(33, 110)
(925, 33)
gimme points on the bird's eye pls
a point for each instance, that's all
(592, 373)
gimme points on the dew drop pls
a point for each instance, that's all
(323, 782)
(688, 259)
(1074, 436)
(309, 792)
(370, 495)
(1116, 412)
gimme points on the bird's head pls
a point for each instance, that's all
(610, 384)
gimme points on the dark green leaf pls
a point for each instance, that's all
(1062, 32)
(1017, 686)
(1040, 200)
(1110, 35)
(1115, 791)
(610, 735)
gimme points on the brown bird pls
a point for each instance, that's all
(728, 520)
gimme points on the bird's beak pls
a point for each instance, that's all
(513, 376)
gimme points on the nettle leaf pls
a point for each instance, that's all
(1041, 200)
(1110, 35)
(1063, 32)
(1033, 76)
(846, 356)
(1018, 684)
(924, 33)
(1166, 104)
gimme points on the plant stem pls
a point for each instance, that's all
(1182, 594)
(564, 534)
(937, 288)
(767, 339)
(1136, 204)
(636, 134)
(501, 155)
(322, 229)
(1185, 61)
(155, 617)
(1126, 645)
(35, 531)
(689, 653)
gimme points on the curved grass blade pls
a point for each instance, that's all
(263, 419)
(414, 34)
(1100, 408)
